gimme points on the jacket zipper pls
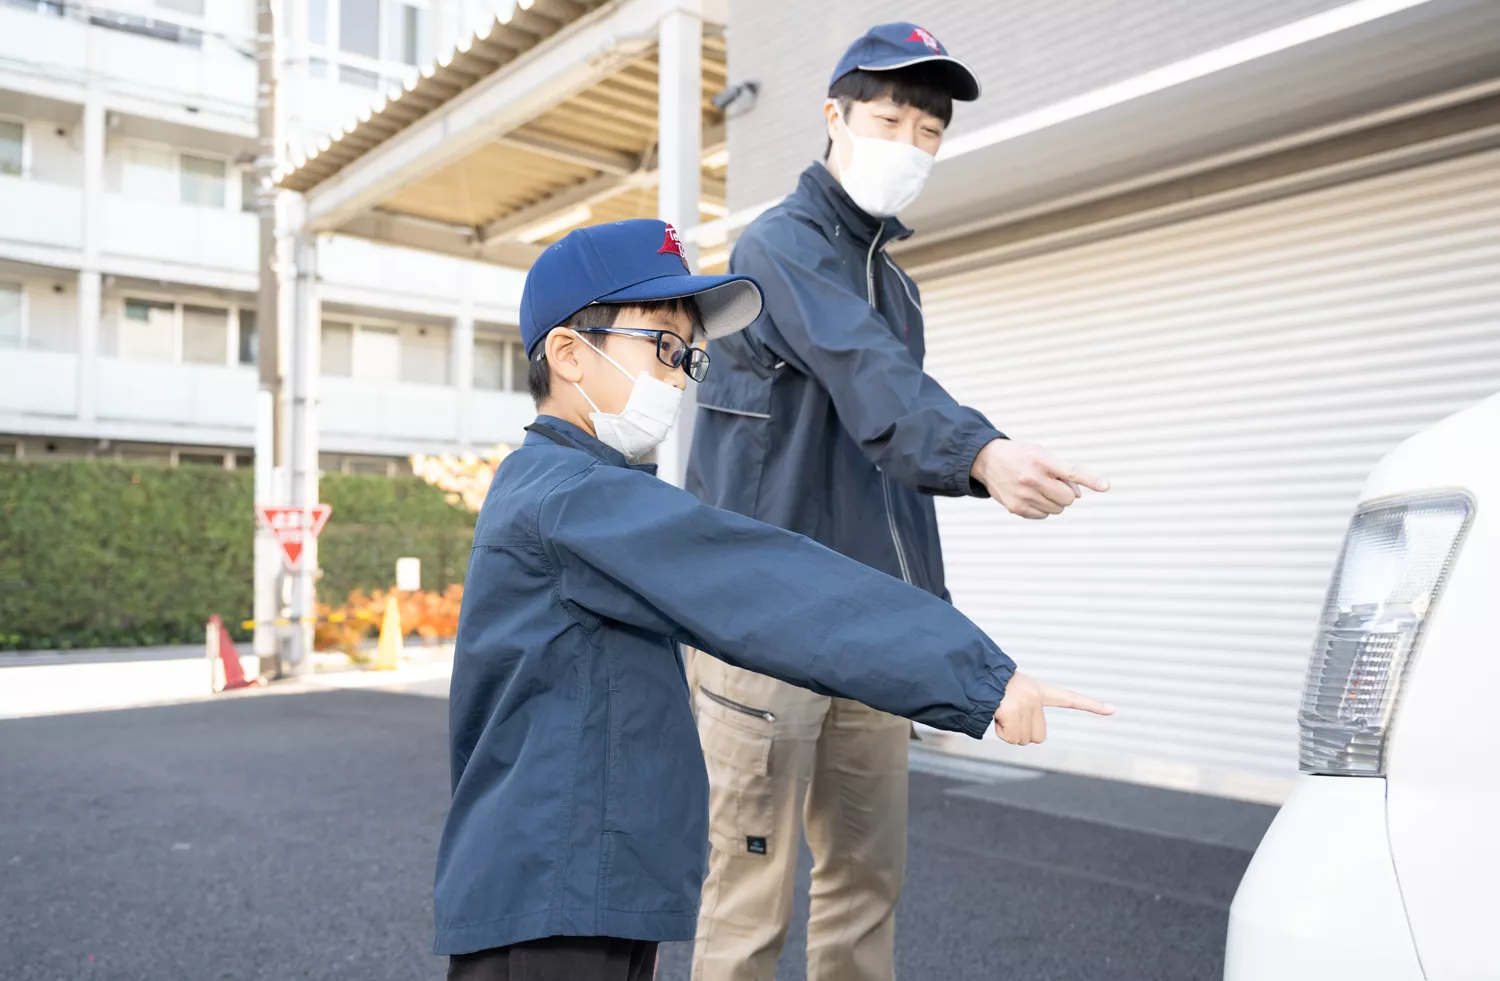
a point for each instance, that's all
(885, 484)
(734, 706)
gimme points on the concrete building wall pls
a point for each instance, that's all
(52, 314)
(56, 151)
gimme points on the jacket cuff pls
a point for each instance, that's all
(997, 675)
(962, 481)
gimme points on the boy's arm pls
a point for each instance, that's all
(905, 422)
(634, 549)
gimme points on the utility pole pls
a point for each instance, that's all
(269, 462)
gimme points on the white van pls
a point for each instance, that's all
(1384, 864)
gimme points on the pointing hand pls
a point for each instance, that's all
(1028, 480)
(1020, 719)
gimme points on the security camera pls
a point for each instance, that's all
(737, 99)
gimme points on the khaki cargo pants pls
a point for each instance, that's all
(782, 760)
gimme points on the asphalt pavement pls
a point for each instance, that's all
(289, 836)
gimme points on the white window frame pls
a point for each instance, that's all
(231, 172)
(335, 57)
(231, 191)
(509, 345)
(179, 304)
(26, 148)
(25, 311)
(360, 323)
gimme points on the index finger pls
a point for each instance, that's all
(1054, 697)
(1077, 475)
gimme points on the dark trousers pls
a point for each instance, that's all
(559, 959)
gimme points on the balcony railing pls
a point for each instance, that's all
(35, 212)
(41, 383)
(150, 54)
(184, 394)
(215, 238)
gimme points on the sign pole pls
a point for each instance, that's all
(268, 422)
(295, 530)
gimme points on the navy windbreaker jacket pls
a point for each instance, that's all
(818, 418)
(580, 797)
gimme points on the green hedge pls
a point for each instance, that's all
(95, 554)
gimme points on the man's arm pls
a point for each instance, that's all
(904, 421)
(635, 549)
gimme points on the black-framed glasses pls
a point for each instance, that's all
(671, 350)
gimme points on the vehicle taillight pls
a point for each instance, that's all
(1389, 575)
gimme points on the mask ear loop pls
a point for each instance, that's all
(844, 125)
(606, 357)
(601, 354)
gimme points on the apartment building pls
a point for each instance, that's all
(128, 242)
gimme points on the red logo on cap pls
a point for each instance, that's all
(918, 34)
(673, 243)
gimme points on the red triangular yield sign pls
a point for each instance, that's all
(293, 526)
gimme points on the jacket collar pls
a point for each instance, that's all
(543, 431)
(826, 196)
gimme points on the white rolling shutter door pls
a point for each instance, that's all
(1237, 377)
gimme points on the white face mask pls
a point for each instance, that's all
(882, 176)
(648, 416)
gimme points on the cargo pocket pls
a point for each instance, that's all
(741, 798)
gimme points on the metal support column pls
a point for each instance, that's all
(461, 360)
(679, 154)
(303, 456)
(90, 281)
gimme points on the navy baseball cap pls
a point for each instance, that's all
(636, 261)
(889, 46)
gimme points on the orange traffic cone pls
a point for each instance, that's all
(391, 646)
(224, 660)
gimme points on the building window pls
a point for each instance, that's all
(205, 335)
(377, 354)
(425, 354)
(147, 331)
(10, 315)
(519, 367)
(249, 339)
(317, 21)
(147, 173)
(337, 349)
(12, 148)
(368, 467)
(489, 364)
(186, 459)
(359, 27)
(52, 8)
(202, 181)
(408, 43)
(249, 191)
(359, 77)
(146, 453)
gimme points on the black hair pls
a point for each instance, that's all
(594, 317)
(923, 86)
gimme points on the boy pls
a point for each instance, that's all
(577, 836)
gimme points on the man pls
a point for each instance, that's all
(819, 419)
